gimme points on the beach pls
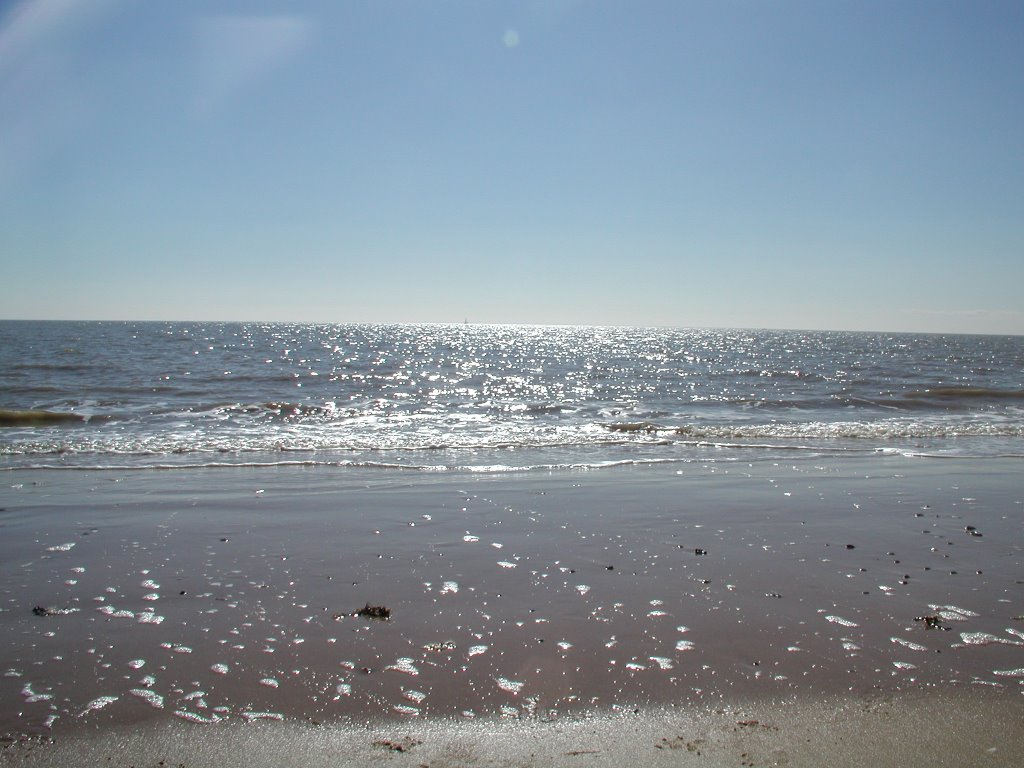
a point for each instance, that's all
(538, 617)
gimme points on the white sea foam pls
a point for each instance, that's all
(150, 697)
(97, 704)
(511, 686)
(250, 716)
(405, 666)
(984, 638)
(908, 644)
(193, 717)
(31, 697)
(416, 697)
(114, 613)
(952, 612)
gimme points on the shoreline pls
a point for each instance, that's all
(215, 597)
(930, 729)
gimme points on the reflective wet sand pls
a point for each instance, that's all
(224, 599)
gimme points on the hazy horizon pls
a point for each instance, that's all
(470, 323)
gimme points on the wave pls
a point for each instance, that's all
(767, 453)
(966, 393)
(412, 433)
(855, 430)
(581, 466)
(34, 418)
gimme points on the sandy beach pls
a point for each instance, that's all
(740, 613)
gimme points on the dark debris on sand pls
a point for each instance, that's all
(374, 612)
(931, 622)
(42, 610)
(402, 745)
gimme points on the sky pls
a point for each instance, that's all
(821, 164)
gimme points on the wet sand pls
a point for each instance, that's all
(827, 600)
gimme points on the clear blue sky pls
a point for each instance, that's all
(854, 165)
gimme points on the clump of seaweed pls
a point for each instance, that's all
(368, 611)
(931, 622)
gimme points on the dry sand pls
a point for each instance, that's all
(205, 617)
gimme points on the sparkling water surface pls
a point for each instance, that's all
(493, 398)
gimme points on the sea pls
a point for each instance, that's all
(493, 398)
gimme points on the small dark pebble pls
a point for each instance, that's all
(610, 567)
(850, 546)
(223, 539)
(700, 551)
(183, 592)
(41, 611)
(969, 528)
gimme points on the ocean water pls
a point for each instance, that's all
(493, 398)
